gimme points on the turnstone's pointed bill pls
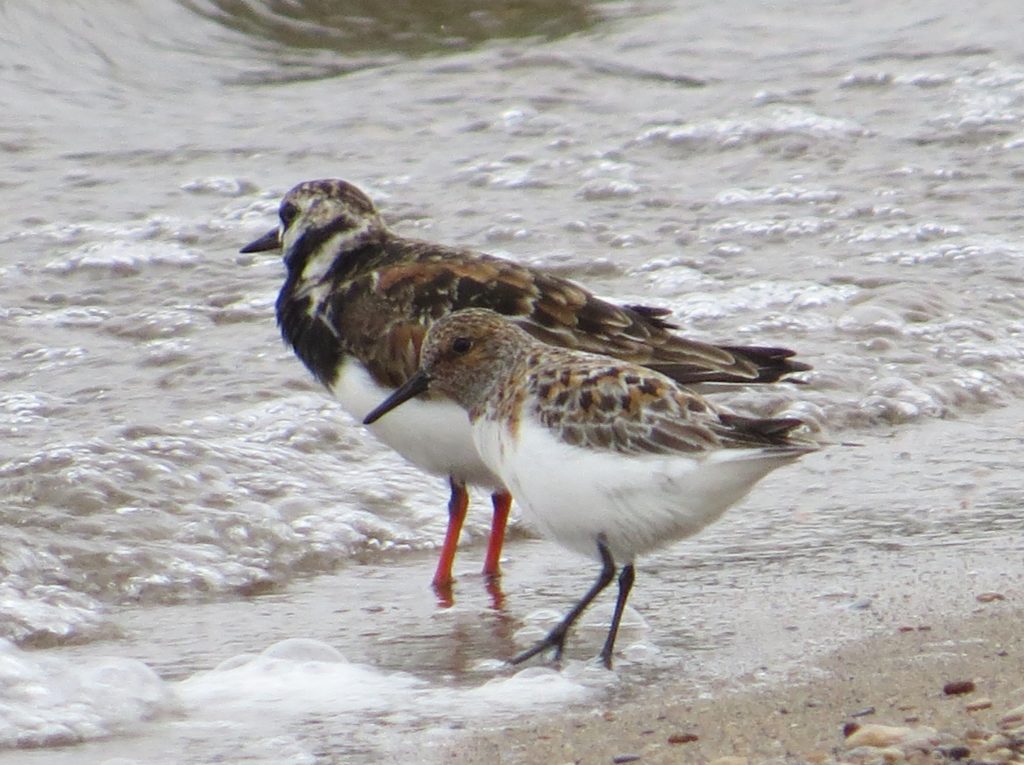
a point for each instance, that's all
(358, 299)
(609, 458)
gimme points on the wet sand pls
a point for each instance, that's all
(759, 639)
(895, 679)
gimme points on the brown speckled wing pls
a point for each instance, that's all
(377, 331)
(630, 412)
(356, 289)
(634, 411)
(428, 282)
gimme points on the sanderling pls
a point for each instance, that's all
(608, 458)
(358, 299)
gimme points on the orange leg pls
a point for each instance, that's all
(502, 502)
(457, 505)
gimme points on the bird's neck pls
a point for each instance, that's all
(311, 298)
(497, 396)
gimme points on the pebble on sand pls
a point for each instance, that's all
(891, 745)
(958, 687)
(989, 597)
(683, 738)
(1011, 718)
(879, 736)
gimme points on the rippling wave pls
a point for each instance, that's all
(168, 467)
(317, 38)
(409, 28)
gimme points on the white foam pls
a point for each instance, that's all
(219, 186)
(299, 677)
(53, 701)
(784, 194)
(302, 682)
(730, 133)
(43, 614)
(759, 298)
(528, 689)
(123, 257)
(272, 697)
(293, 678)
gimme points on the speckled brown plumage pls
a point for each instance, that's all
(584, 399)
(355, 288)
(358, 300)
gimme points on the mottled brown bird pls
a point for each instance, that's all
(358, 299)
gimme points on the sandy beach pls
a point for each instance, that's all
(902, 696)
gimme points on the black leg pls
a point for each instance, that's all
(625, 585)
(556, 638)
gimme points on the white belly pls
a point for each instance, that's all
(635, 504)
(434, 435)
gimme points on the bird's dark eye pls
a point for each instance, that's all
(288, 212)
(462, 345)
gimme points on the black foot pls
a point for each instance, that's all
(555, 639)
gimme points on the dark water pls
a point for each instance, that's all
(843, 179)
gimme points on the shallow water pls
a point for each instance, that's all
(178, 493)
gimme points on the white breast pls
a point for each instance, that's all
(433, 435)
(635, 503)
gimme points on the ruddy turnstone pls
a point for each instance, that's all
(608, 458)
(358, 299)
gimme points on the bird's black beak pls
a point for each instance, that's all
(269, 241)
(413, 387)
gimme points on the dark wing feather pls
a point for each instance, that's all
(598, 406)
(562, 313)
(384, 338)
(635, 411)
(655, 315)
(380, 315)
